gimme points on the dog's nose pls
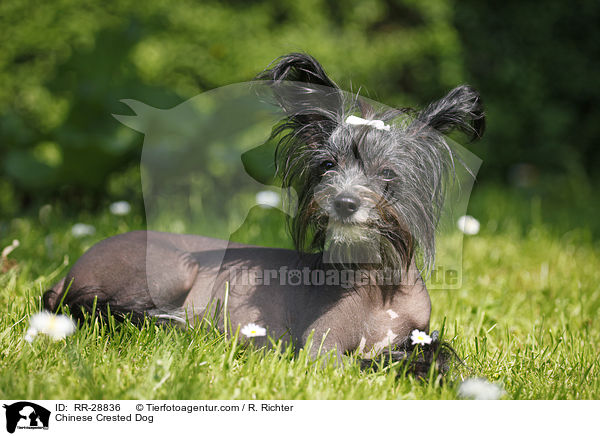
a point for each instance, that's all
(345, 205)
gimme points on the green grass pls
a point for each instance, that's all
(526, 316)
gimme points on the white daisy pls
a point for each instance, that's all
(268, 198)
(419, 337)
(480, 389)
(468, 225)
(55, 326)
(120, 208)
(251, 330)
(80, 230)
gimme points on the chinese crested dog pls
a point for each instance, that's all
(370, 186)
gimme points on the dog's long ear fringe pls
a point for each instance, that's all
(460, 110)
(297, 67)
(303, 90)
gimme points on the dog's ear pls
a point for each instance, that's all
(297, 67)
(460, 110)
(310, 100)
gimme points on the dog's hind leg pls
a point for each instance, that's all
(129, 274)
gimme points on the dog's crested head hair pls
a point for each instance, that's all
(372, 184)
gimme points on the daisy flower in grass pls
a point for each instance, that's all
(419, 337)
(252, 330)
(120, 208)
(55, 326)
(468, 225)
(480, 389)
(268, 198)
(81, 230)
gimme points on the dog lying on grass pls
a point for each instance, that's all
(369, 198)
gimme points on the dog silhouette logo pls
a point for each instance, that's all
(26, 415)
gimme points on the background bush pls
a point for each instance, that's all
(64, 66)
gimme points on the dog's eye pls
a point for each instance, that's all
(388, 175)
(327, 165)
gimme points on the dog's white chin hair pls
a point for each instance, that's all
(342, 233)
(350, 244)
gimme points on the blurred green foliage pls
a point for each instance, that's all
(537, 66)
(64, 66)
